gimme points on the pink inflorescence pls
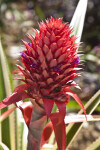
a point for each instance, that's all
(50, 65)
(51, 59)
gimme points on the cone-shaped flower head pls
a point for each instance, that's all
(50, 64)
(50, 60)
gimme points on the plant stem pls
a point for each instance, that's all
(36, 126)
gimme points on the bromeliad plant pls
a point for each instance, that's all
(50, 65)
(51, 61)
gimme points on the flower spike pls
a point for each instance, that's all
(50, 64)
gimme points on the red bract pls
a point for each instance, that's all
(50, 64)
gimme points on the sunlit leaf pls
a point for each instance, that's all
(77, 21)
(9, 134)
(5, 89)
(47, 147)
(81, 118)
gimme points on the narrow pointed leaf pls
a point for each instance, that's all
(48, 104)
(13, 98)
(9, 130)
(62, 107)
(81, 118)
(6, 83)
(59, 129)
(71, 93)
(77, 21)
(47, 147)
(21, 87)
(2, 95)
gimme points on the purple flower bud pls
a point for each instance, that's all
(77, 60)
(56, 69)
(30, 44)
(23, 54)
(34, 65)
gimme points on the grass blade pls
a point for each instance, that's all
(77, 21)
(2, 95)
(7, 86)
(81, 118)
(14, 129)
(5, 133)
